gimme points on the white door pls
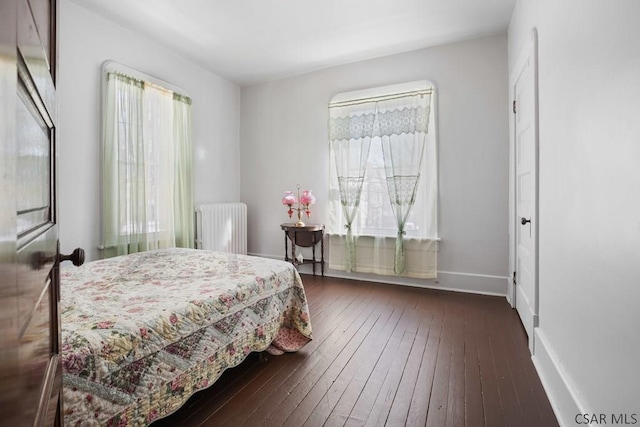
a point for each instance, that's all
(524, 84)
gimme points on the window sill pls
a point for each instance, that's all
(436, 239)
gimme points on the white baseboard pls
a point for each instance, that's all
(473, 283)
(447, 280)
(562, 395)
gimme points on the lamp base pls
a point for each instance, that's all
(300, 223)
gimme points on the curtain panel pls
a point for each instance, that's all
(397, 187)
(183, 186)
(350, 133)
(147, 168)
(404, 125)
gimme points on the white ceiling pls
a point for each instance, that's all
(248, 41)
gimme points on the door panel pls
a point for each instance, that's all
(35, 353)
(36, 58)
(33, 168)
(41, 10)
(35, 264)
(526, 196)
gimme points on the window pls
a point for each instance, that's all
(383, 186)
(147, 166)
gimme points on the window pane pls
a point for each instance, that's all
(375, 215)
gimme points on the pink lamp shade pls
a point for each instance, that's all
(289, 199)
(307, 198)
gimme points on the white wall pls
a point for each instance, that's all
(86, 41)
(283, 141)
(588, 351)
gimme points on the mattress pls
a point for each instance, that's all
(142, 332)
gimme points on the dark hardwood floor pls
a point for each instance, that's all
(385, 355)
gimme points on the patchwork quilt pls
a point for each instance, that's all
(143, 332)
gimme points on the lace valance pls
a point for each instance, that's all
(388, 123)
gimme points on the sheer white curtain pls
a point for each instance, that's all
(350, 139)
(142, 168)
(159, 166)
(403, 126)
(389, 238)
(183, 187)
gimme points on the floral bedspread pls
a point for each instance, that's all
(143, 332)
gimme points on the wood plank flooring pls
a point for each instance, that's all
(385, 355)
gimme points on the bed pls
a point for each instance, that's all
(141, 333)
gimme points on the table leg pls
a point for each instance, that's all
(293, 250)
(322, 254)
(313, 250)
(286, 247)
